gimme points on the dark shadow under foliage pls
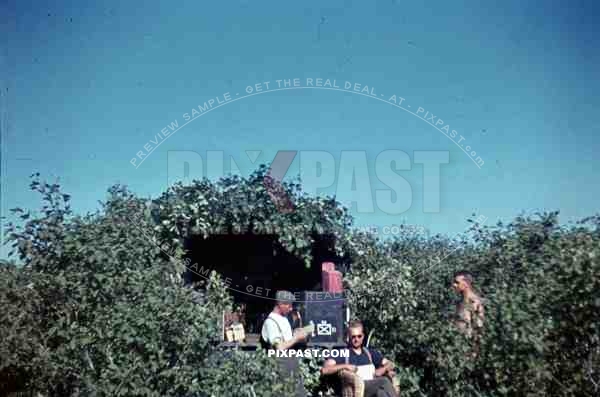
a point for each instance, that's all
(255, 266)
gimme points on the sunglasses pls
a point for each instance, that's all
(356, 336)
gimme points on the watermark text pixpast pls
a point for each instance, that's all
(358, 88)
(353, 178)
(309, 353)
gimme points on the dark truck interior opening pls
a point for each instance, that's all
(255, 266)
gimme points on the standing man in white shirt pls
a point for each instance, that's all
(277, 334)
(277, 330)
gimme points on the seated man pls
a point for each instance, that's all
(370, 365)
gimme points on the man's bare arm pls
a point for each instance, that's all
(284, 345)
(330, 367)
(386, 366)
(298, 336)
(290, 343)
(479, 314)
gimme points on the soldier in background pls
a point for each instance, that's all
(469, 315)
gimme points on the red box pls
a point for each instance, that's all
(328, 266)
(332, 281)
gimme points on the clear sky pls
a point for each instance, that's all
(86, 85)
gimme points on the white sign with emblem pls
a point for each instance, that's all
(325, 328)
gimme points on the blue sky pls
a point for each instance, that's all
(90, 84)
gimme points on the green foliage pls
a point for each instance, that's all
(233, 205)
(97, 307)
(244, 374)
(540, 283)
(311, 374)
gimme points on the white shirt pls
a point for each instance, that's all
(276, 328)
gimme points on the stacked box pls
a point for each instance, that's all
(331, 279)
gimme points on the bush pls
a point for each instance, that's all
(540, 284)
(97, 309)
(97, 305)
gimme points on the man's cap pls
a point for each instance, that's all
(284, 296)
